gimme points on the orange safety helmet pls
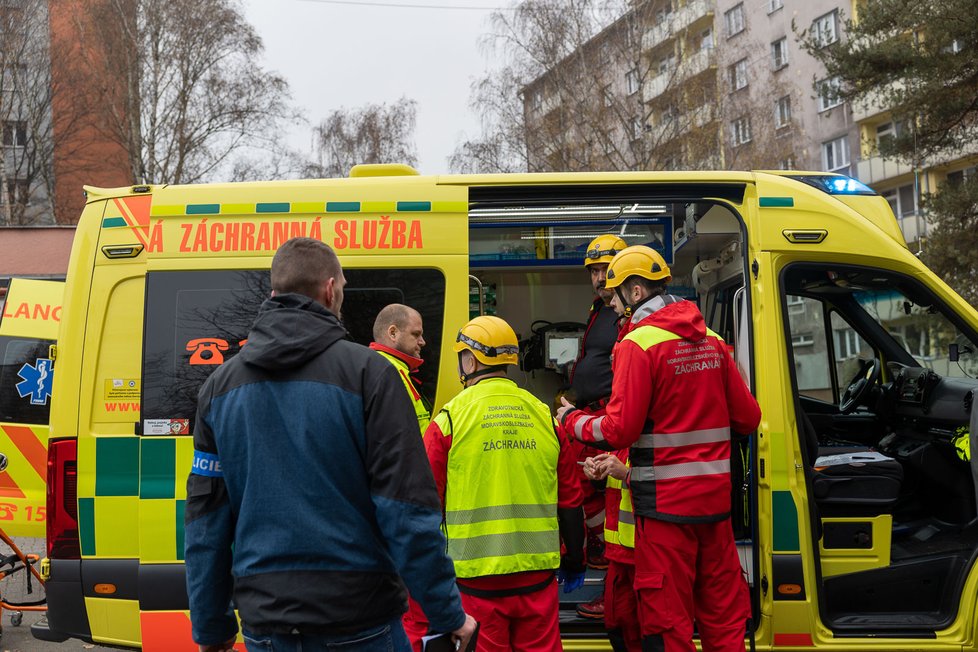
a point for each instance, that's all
(637, 260)
(490, 339)
(603, 249)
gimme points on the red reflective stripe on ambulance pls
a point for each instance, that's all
(30, 447)
(169, 631)
(796, 640)
(9, 488)
(135, 210)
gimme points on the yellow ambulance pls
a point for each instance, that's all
(854, 515)
(29, 319)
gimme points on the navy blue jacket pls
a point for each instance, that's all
(307, 460)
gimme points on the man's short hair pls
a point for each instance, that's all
(395, 313)
(302, 265)
(654, 288)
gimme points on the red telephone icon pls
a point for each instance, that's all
(207, 350)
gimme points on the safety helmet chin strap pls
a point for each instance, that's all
(628, 306)
(631, 307)
(465, 378)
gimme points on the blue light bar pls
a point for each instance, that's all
(834, 184)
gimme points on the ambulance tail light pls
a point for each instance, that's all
(62, 500)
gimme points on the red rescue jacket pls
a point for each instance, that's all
(676, 397)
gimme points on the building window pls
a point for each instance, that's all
(18, 191)
(668, 114)
(664, 13)
(787, 163)
(536, 100)
(958, 177)
(631, 81)
(638, 126)
(902, 200)
(847, 343)
(706, 39)
(835, 154)
(779, 53)
(804, 339)
(740, 131)
(667, 63)
(734, 19)
(738, 75)
(885, 132)
(774, 5)
(14, 133)
(606, 95)
(782, 112)
(825, 29)
(828, 93)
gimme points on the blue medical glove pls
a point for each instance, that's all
(571, 581)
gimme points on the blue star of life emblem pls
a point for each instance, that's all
(37, 381)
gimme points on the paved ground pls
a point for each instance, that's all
(19, 639)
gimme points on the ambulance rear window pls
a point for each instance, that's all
(26, 374)
(197, 320)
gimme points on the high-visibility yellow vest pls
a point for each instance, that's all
(501, 492)
(625, 534)
(420, 409)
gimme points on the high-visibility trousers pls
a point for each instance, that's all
(685, 571)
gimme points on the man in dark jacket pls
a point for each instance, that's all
(307, 462)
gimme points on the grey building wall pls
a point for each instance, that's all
(810, 138)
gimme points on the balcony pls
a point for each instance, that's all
(689, 67)
(876, 169)
(677, 21)
(914, 227)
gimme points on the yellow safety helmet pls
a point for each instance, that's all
(637, 260)
(603, 248)
(490, 339)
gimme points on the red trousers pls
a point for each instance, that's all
(621, 605)
(519, 623)
(687, 571)
(415, 624)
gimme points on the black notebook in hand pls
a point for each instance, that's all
(445, 642)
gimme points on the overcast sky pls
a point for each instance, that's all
(346, 54)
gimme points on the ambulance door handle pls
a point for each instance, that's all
(3, 462)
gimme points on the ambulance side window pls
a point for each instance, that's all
(26, 373)
(195, 321)
(823, 358)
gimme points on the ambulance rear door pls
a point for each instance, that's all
(28, 330)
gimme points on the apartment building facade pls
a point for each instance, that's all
(779, 99)
(25, 115)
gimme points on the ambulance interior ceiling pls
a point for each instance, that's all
(529, 254)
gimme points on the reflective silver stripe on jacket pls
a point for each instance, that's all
(498, 513)
(673, 471)
(626, 516)
(595, 427)
(674, 439)
(504, 545)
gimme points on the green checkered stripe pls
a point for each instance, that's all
(280, 208)
(140, 492)
(295, 208)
